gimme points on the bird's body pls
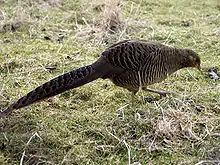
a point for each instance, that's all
(143, 63)
(130, 64)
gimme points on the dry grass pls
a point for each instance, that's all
(112, 16)
(95, 124)
(22, 15)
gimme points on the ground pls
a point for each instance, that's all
(96, 123)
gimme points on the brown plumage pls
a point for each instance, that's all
(131, 64)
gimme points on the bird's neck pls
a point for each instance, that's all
(182, 58)
(173, 61)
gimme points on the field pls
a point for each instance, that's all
(96, 123)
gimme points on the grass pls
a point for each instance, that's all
(102, 127)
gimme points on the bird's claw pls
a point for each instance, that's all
(165, 93)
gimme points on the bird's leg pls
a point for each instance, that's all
(132, 97)
(162, 93)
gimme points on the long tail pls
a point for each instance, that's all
(56, 86)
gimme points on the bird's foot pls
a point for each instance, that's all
(162, 93)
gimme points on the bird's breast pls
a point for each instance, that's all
(133, 80)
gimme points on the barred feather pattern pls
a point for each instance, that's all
(53, 87)
(131, 64)
(145, 63)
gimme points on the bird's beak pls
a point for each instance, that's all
(198, 67)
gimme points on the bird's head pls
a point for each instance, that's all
(190, 59)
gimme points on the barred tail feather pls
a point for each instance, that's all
(56, 86)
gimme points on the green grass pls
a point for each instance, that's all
(180, 129)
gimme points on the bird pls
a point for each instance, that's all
(131, 64)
